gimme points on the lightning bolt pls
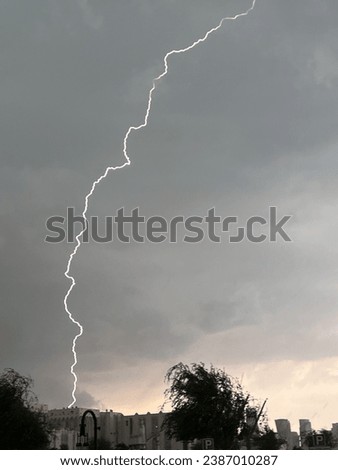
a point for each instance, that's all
(114, 168)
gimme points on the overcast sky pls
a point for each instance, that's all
(244, 121)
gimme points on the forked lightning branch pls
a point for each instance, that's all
(127, 162)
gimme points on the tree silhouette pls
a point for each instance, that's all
(267, 440)
(20, 426)
(206, 404)
(321, 438)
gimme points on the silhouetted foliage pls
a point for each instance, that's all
(20, 426)
(322, 438)
(267, 440)
(206, 403)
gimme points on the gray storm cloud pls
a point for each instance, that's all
(244, 121)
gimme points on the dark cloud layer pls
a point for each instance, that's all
(245, 121)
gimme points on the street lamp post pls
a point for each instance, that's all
(83, 428)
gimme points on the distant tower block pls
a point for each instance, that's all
(284, 431)
(304, 429)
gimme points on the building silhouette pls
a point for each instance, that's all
(138, 431)
(304, 429)
(284, 431)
